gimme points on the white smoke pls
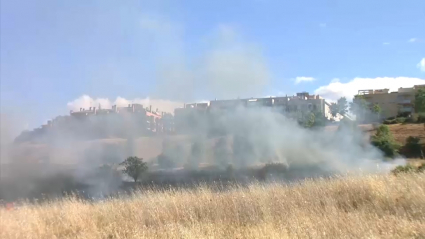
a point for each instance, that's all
(233, 67)
(226, 66)
(10, 127)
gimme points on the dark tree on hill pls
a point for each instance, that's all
(420, 101)
(134, 167)
(340, 107)
(376, 109)
(359, 107)
(334, 109)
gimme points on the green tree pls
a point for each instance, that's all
(420, 101)
(340, 107)
(319, 119)
(313, 119)
(134, 167)
(309, 120)
(376, 109)
(359, 107)
(334, 109)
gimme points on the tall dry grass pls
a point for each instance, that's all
(351, 207)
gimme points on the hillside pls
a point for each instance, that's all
(399, 131)
(402, 131)
(114, 149)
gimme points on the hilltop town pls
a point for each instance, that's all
(136, 120)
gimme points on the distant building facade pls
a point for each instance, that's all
(391, 103)
(191, 115)
(93, 123)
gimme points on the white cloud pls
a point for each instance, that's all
(421, 64)
(86, 102)
(300, 79)
(337, 89)
(322, 24)
(411, 40)
(386, 43)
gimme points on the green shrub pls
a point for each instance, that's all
(384, 141)
(388, 148)
(421, 118)
(392, 121)
(412, 148)
(383, 132)
(409, 169)
(409, 120)
(403, 114)
(400, 120)
(404, 169)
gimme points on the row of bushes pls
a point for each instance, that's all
(402, 118)
(421, 118)
(409, 168)
(384, 141)
(397, 120)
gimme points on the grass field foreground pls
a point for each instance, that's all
(381, 206)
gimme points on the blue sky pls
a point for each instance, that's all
(60, 55)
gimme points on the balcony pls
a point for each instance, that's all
(406, 109)
(404, 101)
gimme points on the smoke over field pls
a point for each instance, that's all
(240, 139)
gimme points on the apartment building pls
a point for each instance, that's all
(391, 103)
(296, 107)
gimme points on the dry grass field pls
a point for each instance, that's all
(382, 206)
(402, 131)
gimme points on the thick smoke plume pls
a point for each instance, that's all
(262, 135)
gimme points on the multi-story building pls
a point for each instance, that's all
(297, 106)
(391, 103)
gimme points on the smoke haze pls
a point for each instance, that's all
(227, 67)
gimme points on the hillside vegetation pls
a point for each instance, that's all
(151, 147)
(383, 206)
(401, 132)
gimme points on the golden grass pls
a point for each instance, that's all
(350, 207)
